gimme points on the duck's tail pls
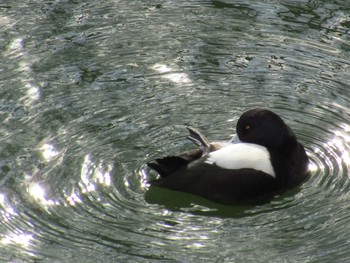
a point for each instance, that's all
(171, 164)
(167, 165)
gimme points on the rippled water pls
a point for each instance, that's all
(92, 90)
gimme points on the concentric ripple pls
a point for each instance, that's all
(92, 91)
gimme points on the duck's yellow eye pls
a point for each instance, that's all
(247, 127)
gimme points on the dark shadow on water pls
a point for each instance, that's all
(179, 201)
(183, 202)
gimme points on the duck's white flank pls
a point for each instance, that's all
(242, 155)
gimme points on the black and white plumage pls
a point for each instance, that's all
(264, 159)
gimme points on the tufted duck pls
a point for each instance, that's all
(263, 159)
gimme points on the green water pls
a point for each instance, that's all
(92, 90)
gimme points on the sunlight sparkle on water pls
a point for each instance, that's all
(33, 92)
(19, 239)
(73, 199)
(17, 44)
(86, 174)
(7, 211)
(341, 142)
(91, 174)
(103, 177)
(196, 245)
(144, 178)
(168, 73)
(48, 151)
(313, 167)
(38, 192)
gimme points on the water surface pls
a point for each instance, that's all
(90, 91)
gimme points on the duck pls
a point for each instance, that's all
(263, 159)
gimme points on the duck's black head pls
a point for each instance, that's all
(263, 127)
